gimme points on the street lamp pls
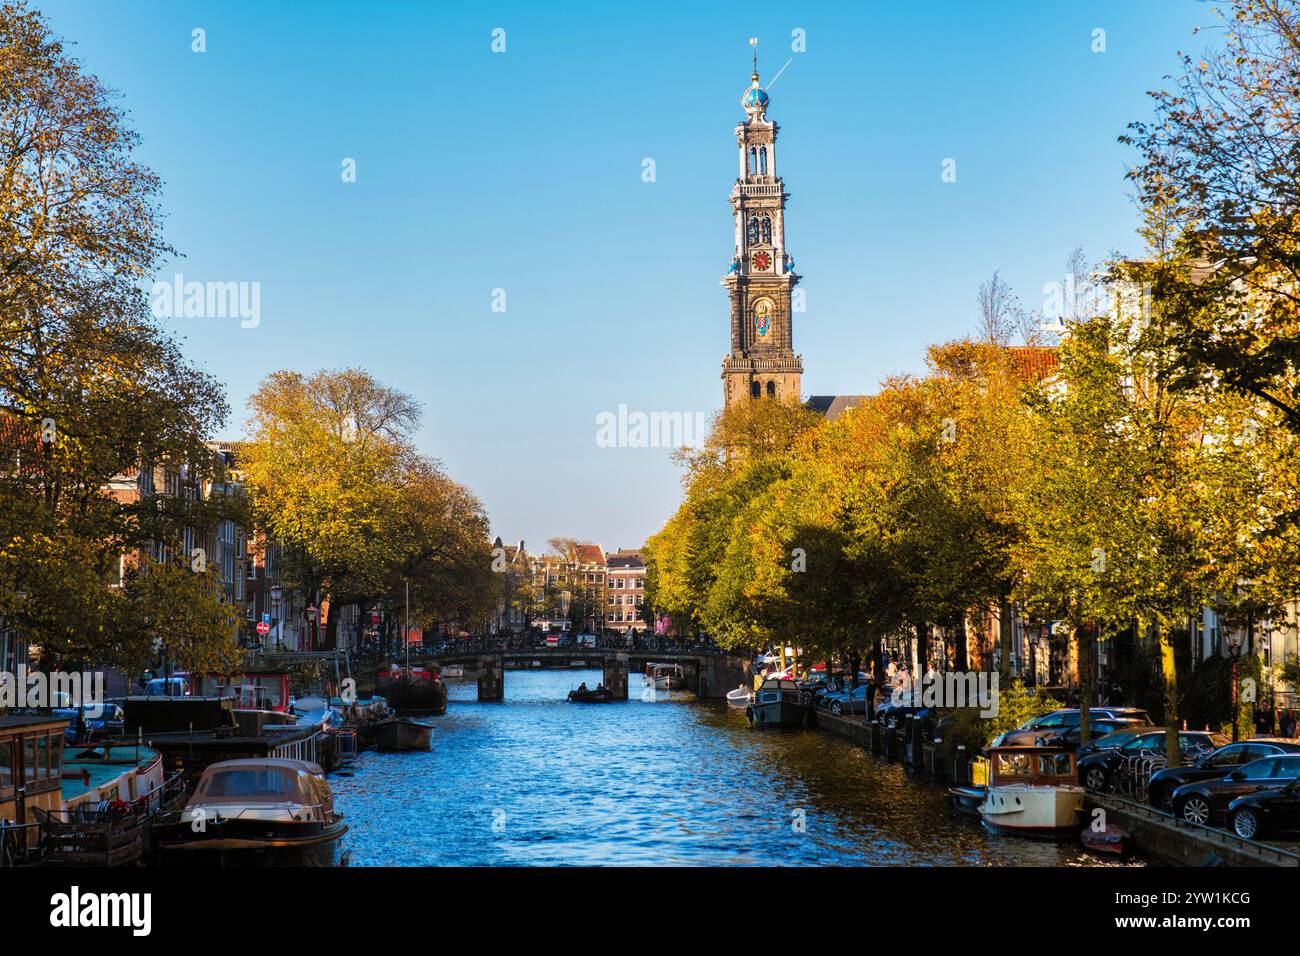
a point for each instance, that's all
(277, 597)
(1235, 639)
(313, 615)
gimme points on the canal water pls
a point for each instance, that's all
(663, 781)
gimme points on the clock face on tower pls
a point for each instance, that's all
(762, 261)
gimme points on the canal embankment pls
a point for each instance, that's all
(1157, 836)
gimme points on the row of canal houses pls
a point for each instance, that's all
(245, 563)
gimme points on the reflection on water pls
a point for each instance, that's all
(538, 781)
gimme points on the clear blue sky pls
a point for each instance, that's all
(522, 171)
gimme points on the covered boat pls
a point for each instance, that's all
(267, 812)
(667, 676)
(1032, 791)
(778, 703)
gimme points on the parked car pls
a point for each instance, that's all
(175, 686)
(107, 721)
(1266, 812)
(1216, 764)
(895, 709)
(1116, 738)
(1206, 801)
(1069, 737)
(849, 700)
(1062, 719)
(1097, 769)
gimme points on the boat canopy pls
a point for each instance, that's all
(262, 781)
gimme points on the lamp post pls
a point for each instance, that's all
(277, 598)
(1234, 649)
(313, 615)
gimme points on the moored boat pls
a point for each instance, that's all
(742, 696)
(268, 812)
(1032, 791)
(399, 733)
(413, 690)
(123, 773)
(453, 671)
(1109, 840)
(778, 703)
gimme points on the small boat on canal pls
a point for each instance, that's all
(667, 676)
(400, 733)
(271, 812)
(453, 671)
(584, 695)
(778, 703)
(1032, 791)
(742, 696)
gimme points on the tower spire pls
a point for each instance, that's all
(753, 41)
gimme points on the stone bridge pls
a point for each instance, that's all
(710, 674)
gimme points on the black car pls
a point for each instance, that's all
(1213, 765)
(1069, 737)
(1116, 738)
(1097, 769)
(1206, 801)
(1063, 719)
(1266, 811)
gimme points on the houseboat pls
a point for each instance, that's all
(31, 757)
(778, 703)
(121, 773)
(1032, 791)
(413, 690)
(268, 812)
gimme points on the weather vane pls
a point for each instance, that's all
(753, 41)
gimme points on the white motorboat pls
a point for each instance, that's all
(453, 670)
(742, 696)
(667, 676)
(1032, 791)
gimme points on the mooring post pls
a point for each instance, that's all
(491, 679)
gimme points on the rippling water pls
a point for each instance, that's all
(538, 781)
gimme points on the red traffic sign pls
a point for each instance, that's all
(263, 628)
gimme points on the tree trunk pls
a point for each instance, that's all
(922, 647)
(961, 661)
(1169, 673)
(1004, 638)
(1085, 682)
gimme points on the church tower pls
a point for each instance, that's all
(762, 361)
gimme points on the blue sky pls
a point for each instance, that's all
(522, 171)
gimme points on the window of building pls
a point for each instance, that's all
(762, 160)
(767, 230)
(771, 389)
(755, 390)
(6, 766)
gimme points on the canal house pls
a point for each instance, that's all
(31, 765)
